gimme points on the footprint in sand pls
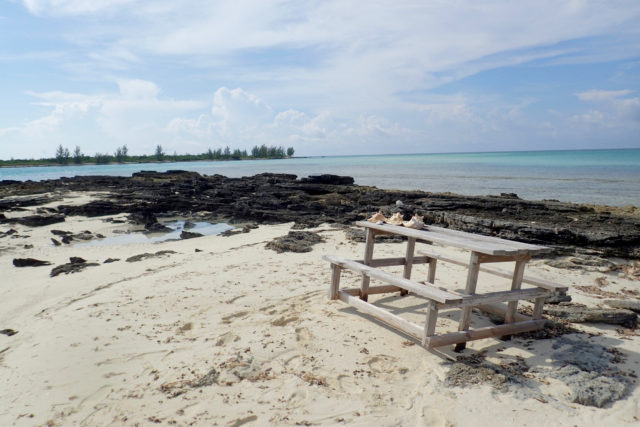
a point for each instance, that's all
(227, 338)
(347, 384)
(283, 321)
(303, 335)
(227, 319)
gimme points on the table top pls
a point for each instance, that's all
(474, 242)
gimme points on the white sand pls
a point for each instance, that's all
(124, 343)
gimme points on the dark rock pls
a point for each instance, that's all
(589, 370)
(39, 220)
(591, 388)
(633, 305)
(110, 260)
(28, 246)
(8, 332)
(156, 227)
(75, 265)
(66, 239)
(585, 262)
(190, 235)
(295, 241)
(198, 250)
(231, 232)
(29, 262)
(188, 225)
(61, 233)
(144, 256)
(55, 242)
(557, 297)
(248, 227)
(328, 179)
(280, 198)
(144, 217)
(581, 314)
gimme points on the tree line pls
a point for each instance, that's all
(121, 155)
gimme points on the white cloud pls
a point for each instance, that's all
(332, 76)
(613, 108)
(602, 95)
(136, 115)
(73, 7)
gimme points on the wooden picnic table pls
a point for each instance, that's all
(483, 250)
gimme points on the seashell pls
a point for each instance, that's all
(396, 219)
(377, 217)
(415, 222)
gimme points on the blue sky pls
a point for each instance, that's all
(326, 77)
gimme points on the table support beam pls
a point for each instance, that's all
(470, 289)
(368, 255)
(516, 283)
(411, 245)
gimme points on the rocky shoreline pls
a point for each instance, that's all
(571, 229)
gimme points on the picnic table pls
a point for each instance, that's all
(482, 249)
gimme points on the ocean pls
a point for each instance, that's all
(607, 177)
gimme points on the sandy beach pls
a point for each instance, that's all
(220, 330)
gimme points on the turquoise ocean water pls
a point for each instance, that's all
(610, 177)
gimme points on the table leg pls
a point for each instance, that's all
(431, 278)
(408, 261)
(430, 322)
(368, 255)
(516, 283)
(470, 289)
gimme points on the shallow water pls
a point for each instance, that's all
(204, 228)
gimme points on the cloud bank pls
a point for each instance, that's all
(328, 77)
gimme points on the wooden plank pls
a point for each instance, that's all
(464, 240)
(516, 283)
(390, 262)
(430, 322)
(485, 332)
(384, 289)
(411, 245)
(500, 310)
(425, 290)
(470, 289)
(538, 307)
(502, 296)
(391, 319)
(431, 277)
(335, 281)
(498, 272)
(483, 258)
(368, 255)
(482, 237)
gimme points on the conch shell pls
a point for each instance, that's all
(396, 219)
(377, 217)
(415, 222)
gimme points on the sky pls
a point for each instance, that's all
(324, 77)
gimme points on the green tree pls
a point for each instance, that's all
(159, 152)
(60, 154)
(290, 151)
(78, 157)
(227, 152)
(102, 159)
